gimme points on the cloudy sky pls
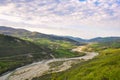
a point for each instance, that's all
(80, 18)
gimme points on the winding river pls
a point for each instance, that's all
(39, 68)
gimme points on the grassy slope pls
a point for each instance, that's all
(15, 52)
(22, 33)
(60, 48)
(11, 46)
(104, 45)
(106, 66)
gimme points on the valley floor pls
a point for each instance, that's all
(45, 67)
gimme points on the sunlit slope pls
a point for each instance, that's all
(59, 48)
(22, 33)
(16, 52)
(106, 66)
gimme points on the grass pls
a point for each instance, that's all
(13, 62)
(104, 45)
(60, 48)
(55, 64)
(66, 53)
(19, 52)
(15, 52)
(11, 65)
(106, 66)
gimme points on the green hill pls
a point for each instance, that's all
(15, 52)
(114, 44)
(10, 46)
(59, 46)
(22, 33)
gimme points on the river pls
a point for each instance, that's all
(39, 68)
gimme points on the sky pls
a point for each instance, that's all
(79, 18)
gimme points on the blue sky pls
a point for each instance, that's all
(80, 18)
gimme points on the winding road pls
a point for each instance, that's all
(39, 68)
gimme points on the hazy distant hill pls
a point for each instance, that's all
(28, 34)
(77, 39)
(97, 39)
(104, 39)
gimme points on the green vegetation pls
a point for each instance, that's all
(55, 64)
(22, 33)
(15, 52)
(8, 64)
(106, 66)
(67, 53)
(34, 46)
(104, 45)
(12, 46)
(59, 48)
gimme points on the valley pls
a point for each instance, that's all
(39, 68)
(36, 56)
(59, 40)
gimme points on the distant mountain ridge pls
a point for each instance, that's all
(77, 39)
(25, 33)
(104, 39)
(97, 39)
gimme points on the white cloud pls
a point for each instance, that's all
(57, 14)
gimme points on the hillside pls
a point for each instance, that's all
(78, 39)
(59, 46)
(33, 35)
(34, 46)
(15, 52)
(22, 33)
(103, 67)
(14, 46)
